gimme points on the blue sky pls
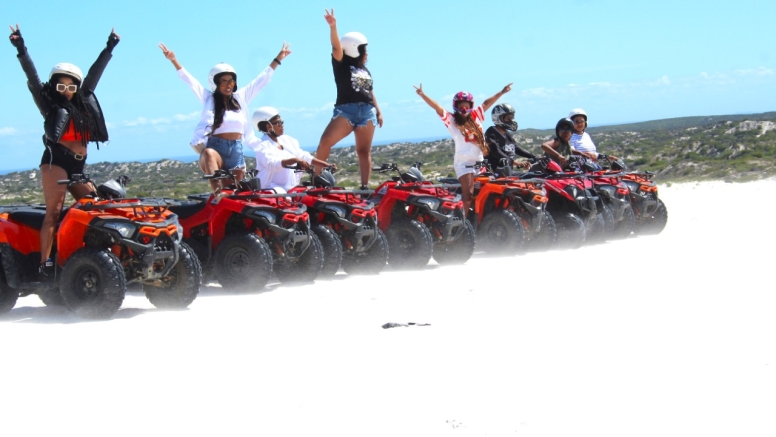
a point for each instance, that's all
(620, 61)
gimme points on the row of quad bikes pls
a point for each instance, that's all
(245, 234)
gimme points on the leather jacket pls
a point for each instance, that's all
(56, 118)
(503, 146)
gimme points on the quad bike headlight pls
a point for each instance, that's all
(571, 189)
(266, 215)
(431, 202)
(124, 229)
(336, 209)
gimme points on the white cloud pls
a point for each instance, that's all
(8, 131)
(186, 117)
(760, 71)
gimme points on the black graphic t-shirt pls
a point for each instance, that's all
(354, 83)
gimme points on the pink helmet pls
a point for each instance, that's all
(462, 96)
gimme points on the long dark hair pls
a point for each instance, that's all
(83, 121)
(465, 123)
(221, 103)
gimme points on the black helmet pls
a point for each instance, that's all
(412, 175)
(497, 114)
(563, 122)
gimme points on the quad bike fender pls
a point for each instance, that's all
(10, 266)
(70, 236)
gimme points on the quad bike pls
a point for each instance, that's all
(103, 242)
(421, 219)
(619, 219)
(650, 212)
(510, 212)
(243, 234)
(574, 205)
(345, 223)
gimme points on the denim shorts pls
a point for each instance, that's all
(231, 152)
(358, 114)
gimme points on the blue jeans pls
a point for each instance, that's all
(358, 114)
(231, 152)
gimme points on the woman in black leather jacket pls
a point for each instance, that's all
(72, 118)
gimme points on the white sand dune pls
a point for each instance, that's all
(670, 335)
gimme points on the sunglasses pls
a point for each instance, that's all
(564, 130)
(70, 88)
(277, 123)
(226, 82)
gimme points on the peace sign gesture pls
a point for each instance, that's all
(329, 16)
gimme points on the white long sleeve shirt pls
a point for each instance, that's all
(269, 161)
(244, 95)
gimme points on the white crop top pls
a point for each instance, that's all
(234, 122)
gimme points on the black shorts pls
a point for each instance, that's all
(64, 158)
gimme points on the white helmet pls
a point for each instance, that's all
(350, 42)
(577, 111)
(68, 70)
(265, 113)
(218, 69)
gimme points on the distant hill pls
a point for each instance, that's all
(730, 147)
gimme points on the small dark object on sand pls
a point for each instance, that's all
(397, 325)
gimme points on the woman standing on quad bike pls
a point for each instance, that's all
(581, 143)
(276, 151)
(465, 126)
(356, 108)
(558, 148)
(224, 121)
(502, 148)
(72, 118)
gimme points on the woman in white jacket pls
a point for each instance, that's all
(275, 152)
(224, 124)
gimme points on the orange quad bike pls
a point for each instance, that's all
(510, 212)
(103, 242)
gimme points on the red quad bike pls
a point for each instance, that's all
(650, 211)
(346, 225)
(573, 203)
(420, 218)
(619, 218)
(245, 233)
(103, 242)
(510, 212)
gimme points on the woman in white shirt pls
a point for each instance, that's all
(275, 152)
(224, 125)
(581, 143)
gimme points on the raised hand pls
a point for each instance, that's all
(419, 89)
(113, 39)
(169, 54)
(16, 37)
(329, 17)
(507, 88)
(284, 51)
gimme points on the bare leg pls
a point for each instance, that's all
(338, 128)
(54, 194)
(467, 191)
(209, 162)
(364, 135)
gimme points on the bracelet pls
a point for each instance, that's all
(276, 60)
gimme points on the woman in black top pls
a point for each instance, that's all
(356, 108)
(72, 118)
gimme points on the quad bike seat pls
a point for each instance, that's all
(33, 216)
(188, 209)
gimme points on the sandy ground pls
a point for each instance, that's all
(671, 335)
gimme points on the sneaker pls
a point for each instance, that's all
(364, 187)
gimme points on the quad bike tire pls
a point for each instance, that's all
(181, 286)
(609, 223)
(571, 230)
(370, 262)
(410, 244)
(460, 250)
(501, 232)
(51, 297)
(243, 261)
(626, 225)
(547, 236)
(93, 283)
(306, 268)
(332, 251)
(8, 295)
(596, 229)
(654, 224)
